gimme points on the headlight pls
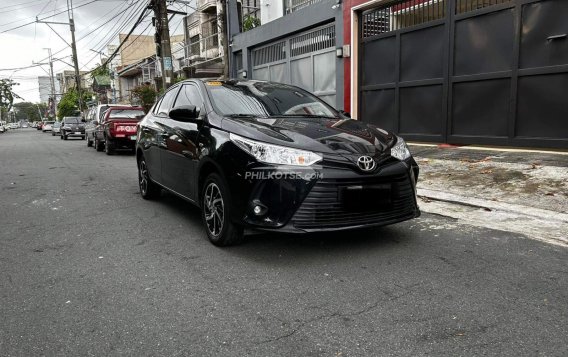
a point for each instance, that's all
(274, 154)
(400, 150)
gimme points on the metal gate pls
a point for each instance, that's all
(467, 71)
(306, 60)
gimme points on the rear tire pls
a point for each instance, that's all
(98, 146)
(148, 189)
(109, 149)
(216, 213)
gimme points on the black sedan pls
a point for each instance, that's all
(274, 157)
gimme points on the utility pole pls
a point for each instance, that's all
(163, 48)
(74, 49)
(222, 34)
(73, 46)
(52, 82)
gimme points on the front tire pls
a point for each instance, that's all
(216, 214)
(89, 142)
(148, 189)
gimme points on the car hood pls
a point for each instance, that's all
(325, 135)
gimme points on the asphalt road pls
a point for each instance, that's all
(89, 268)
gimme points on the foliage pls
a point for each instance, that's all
(250, 22)
(146, 94)
(69, 104)
(100, 71)
(6, 94)
(29, 111)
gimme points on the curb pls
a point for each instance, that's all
(493, 205)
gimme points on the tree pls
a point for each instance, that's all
(250, 22)
(29, 111)
(7, 96)
(146, 94)
(69, 103)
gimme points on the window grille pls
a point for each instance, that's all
(463, 6)
(313, 41)
(272, 53)
(402, 15)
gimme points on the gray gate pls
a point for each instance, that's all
(306, 60)
(467, 71)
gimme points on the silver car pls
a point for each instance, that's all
(56, 128)
(47, 126)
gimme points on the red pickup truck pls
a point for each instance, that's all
(118, 129)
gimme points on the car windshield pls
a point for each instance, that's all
(266, 100)
(126, 113)
(72, 120)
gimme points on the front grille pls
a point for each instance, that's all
(322, 207)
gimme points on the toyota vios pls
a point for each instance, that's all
(271, 156)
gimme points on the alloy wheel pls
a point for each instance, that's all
(143, 177)
(214, 209)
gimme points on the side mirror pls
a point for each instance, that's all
(185, 113)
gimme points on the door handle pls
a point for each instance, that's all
(556, 37)
(188, 154)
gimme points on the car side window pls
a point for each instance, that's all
(166, 102)
(189, 95)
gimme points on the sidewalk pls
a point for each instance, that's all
(507, 189)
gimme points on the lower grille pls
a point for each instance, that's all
(323, 208)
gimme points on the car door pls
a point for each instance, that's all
(181, 151)
(156, 127)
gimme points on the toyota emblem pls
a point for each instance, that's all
(366, 163)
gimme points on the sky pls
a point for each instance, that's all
(97, 23)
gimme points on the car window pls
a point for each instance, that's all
(167, 102)
(266, 99)
(126, 113)
(72, 120)
(189, 95)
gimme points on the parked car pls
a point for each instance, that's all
(118, 129)
(272, 157)
(47, 126)
(72, 127)
(90, 128)
(56, 128)
(2, 128)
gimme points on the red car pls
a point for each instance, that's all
(118, 129)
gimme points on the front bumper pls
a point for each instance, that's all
(72, 133)
(313, 199)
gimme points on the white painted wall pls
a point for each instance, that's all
(270, 10)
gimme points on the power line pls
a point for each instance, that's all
(47, 17)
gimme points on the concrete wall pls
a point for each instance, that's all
(139, 47)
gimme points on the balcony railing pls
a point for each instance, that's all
(204, 50)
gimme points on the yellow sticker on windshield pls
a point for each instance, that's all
(214, 83)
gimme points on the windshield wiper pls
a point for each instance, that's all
(304, 116)
(246, 116)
